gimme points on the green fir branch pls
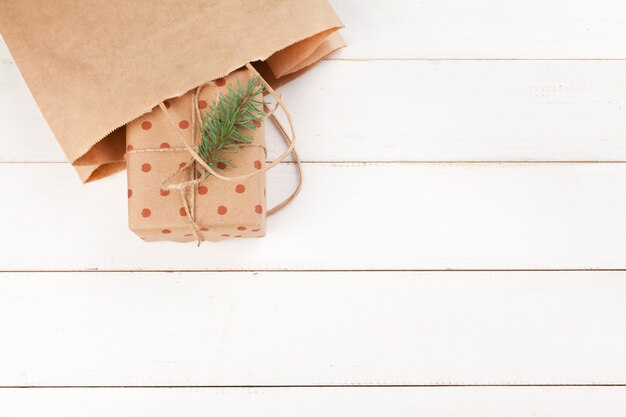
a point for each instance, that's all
(224, 125)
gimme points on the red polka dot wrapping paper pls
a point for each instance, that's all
(95, 65)
(223, 209)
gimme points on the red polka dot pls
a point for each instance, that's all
(204, 229)
(146, 212)
(146, 125)
(167, 104)
(129, 148)
(146, 167)
(183, 124)
(226, 235)
(221, 210)
(238, 236)
(257, 123)
(182, 165)
(255, 230)
(240, 188)
(202, 190)
(202, 104)
(164, 193)
(166, 231)
(221, 165)
(165, 145)
(182, 212)
(258, 209)
(241, 228)
(257, 164)
(130, 193)
(220, 82)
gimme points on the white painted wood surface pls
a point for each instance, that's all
(348, 217)
(412, 137)
(307, 402)
(450, 111)
(306, 328)
(486, 29)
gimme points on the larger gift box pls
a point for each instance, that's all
(211, 209)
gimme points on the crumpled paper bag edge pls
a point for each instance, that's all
(92, 172)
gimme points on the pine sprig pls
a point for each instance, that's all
(224, 125)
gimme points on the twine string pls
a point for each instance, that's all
(188, 188)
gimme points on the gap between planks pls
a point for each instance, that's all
(302, 386)
(406, 162)
(470, 59)
(193, 271)
(9, 62)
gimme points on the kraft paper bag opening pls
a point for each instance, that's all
(93, 65)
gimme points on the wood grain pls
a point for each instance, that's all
(318, 402)
(413, 111)
(482, 29)
(348, 217)
(256, 329)
(478, 29)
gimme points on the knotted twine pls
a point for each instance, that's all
(188, 189)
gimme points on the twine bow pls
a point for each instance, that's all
(199, 169)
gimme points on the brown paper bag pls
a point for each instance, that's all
(95, 65)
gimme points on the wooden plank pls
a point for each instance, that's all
(349, 216)
(443, 29)
(318, 402)
(330, 328)
(506, 29)
(5, 54)
(413, 111)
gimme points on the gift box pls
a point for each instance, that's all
(163, 202)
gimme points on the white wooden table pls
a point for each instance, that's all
(458, 249)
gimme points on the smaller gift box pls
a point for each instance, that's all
(202, 207)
